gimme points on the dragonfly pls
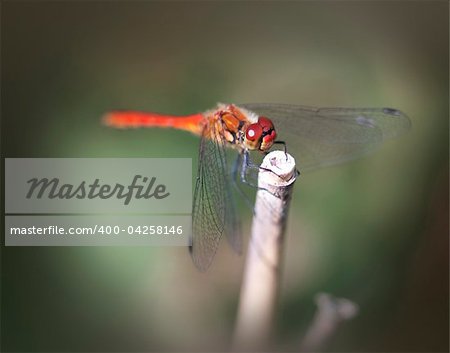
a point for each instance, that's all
(318, 136)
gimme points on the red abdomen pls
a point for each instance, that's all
(135, 119)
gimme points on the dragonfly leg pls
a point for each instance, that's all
(234, 177)
(282, 143)
(247, 165)
(284, 147)
(241, 166)
(285, 153)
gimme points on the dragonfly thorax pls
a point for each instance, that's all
(244, 129)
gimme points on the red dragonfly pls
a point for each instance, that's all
(319, 137)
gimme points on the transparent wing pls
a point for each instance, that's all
(324, 136)
(213, 209)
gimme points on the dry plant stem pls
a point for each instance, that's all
(331, 312)
(260, 284)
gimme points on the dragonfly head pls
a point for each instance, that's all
(260, 135)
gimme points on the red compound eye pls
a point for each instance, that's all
(265, 123)
(254, 132)
(270, 138)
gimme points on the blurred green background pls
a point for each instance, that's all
(374, 230)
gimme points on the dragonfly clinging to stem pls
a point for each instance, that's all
(317, 136)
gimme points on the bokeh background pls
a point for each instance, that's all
(374, 230)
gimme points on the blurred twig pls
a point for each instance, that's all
(262, 272)
(330, 313)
